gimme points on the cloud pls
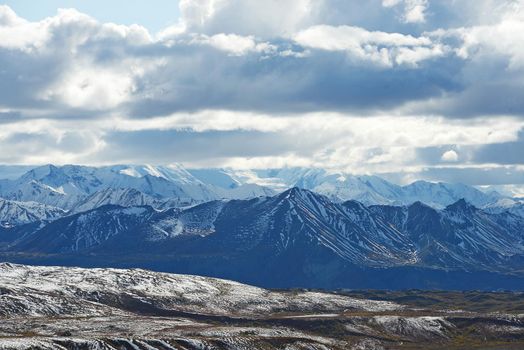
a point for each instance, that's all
(269, 18)
(385, 49)
(72, 61)
(450, 156)
(506, 153)
(393, 87)
(227, 138)
(414, 10)
(235, 45)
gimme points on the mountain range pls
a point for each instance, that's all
(295, 238)
(73, 187)
(273, 228)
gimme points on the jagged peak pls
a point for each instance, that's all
(461, 205)
(420, 205)
(354, 204)
(297, 192)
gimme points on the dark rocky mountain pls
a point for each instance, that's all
(297, 238)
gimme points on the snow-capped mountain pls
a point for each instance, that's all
(86, 230)
(72, 186)
(116, 228)
(443, 194)
(124, 197)
(244, 191)
(69, 186)
(267, 239)
(513, 206)
(459, 236)
(298, 219)
(517, 209)
(14, 213)
(339, 186)
(27, 190)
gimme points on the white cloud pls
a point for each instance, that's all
(495, 38)
(236, 45)
(382, 48)
(310, 88)
(390, 3)
(92, 87)
(330, 140)
(267, 18)
(17, 33)
(450, 156)
(414, 10)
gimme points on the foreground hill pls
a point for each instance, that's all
(72, 308)
(295, 239)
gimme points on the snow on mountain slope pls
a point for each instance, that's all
(349, 230)
(14, 213)
(217, 177)
(124, 197)
(86, 230)
(442, 194)
(460, 236)
(57, 291)
(517, 209)
(370, 190)
(115, 228)
(71, 185)
(67, 185)
(196, 221)
(245, 191)
(294, 224)
(35, 191)
(129, 197)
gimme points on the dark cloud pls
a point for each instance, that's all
(73, 70)
(209, 79)
(185, 146)
(190, 74)
(502, 153)
(474, 176)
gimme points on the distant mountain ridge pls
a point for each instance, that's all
(70, 186)
(14, 213)
(367, 189)
(81, 187)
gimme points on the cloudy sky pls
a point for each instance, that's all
(411, 89)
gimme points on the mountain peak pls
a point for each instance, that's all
(297, 192)
(419, 205)
(461, 205)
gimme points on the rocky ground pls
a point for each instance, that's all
(71, 308)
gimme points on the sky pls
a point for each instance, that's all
(154, 15)
(406, 89)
